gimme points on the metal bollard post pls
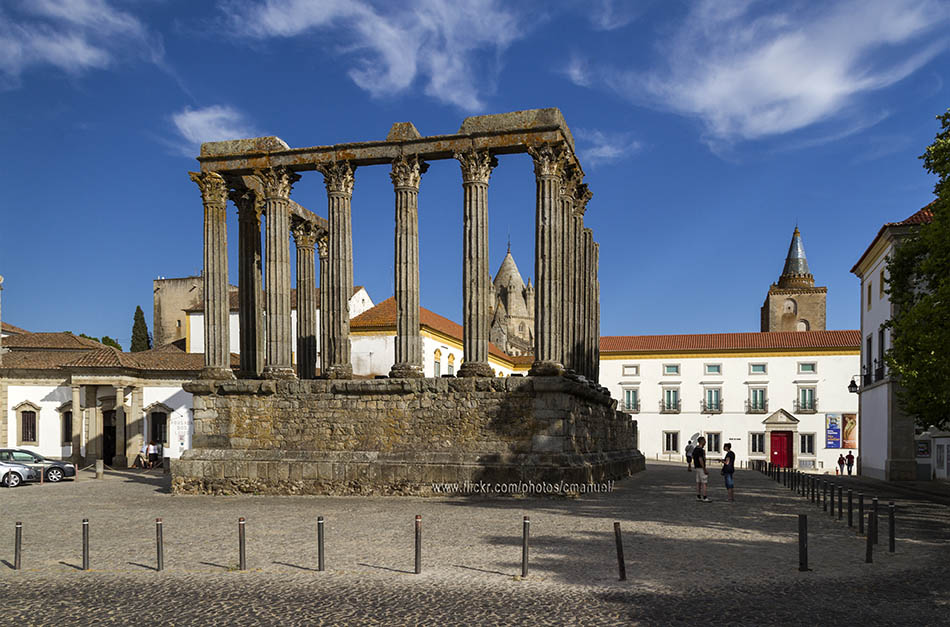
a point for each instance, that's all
(869, 545)
(620, 562)
(861, 513)
(831, 499)
(418, 544)
(850, 509)
(159, 545)
(840, 500)
(824, 495)
(890, 527)
(525, 533)
(320, 561)
(802, 542)
(242, 553)
(874, 509)
(100, 471)
(18, 542)
(85, 544)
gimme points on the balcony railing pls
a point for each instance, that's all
(879, 373)
(631, 408)
(806, 408)
(866, 379)
(752, 407)
(711, 408)
(670, 407)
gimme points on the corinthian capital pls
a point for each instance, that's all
(338, 177)
(570, 180)
(323, 247)
(582, 196)
(549, 160)
(476, 165)
(250, 204)
(407, 171)
(277, 182)
(305, 233)
(214, 191)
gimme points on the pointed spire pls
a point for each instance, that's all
(795, 273)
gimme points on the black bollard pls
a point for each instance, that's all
(18, 542)
(874, 509)
(860, 513)
(320, 562)
(840, 499)
(850, 509)
(803, 542)
(620, 562)
(85, 544)
(525, 533)
(242, 553)
(890, 527)
(824, 495)
(869, 545)
(831, 499)
(418, 544)
(159, 545)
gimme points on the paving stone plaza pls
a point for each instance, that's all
(723, 562)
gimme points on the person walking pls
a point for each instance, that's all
(841, 461)
(689, 455)
(152, 451)
(702, 473)
(850, 460)
(728, 470)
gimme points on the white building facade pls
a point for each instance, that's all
(774, 396)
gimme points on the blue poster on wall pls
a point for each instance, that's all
(832, 430)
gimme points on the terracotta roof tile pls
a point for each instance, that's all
(233, 299)
(51, 341)
(775, 340)
(922, 216)
(39, 360)
(9, 328)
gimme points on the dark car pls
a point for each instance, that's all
(53, 469)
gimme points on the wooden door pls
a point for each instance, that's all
(781, 448)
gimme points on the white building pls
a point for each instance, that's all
(775, 396)
(887, 440)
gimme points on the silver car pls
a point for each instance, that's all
(12, 474)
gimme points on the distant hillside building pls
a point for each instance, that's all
(512, 310)
(794, 303)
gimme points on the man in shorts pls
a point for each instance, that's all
(702, 473)
(728, 470)
(689, 455)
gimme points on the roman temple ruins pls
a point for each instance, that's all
(274, 429)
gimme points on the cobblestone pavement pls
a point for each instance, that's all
(719, 561)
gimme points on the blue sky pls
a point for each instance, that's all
(707, 131)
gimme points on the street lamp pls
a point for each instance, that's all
(853, 387)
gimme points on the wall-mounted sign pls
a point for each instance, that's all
(923, 448)
(849, 431)
(832, 430)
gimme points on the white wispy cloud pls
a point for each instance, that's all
(208, 124)
(453, 48)
(578, 71)
(598, 147)
(71, 35)
(750, 70)
(613, 14)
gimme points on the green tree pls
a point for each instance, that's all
(141, 341)
(919, 288)
(108, 341)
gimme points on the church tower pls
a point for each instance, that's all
(794, 303)
(512, 310)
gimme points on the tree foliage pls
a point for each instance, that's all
(919, 288)
(141, 341)
(108, 341)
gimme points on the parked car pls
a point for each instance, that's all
(53, 469)
(12, 475)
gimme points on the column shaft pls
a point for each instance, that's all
(323, 247)
(120, 461)
(476, 280)
(596, 325)
(581, 198)
(216, 333)
(588, 303)
(305, 236)
(277, 183)
(76, 435)
(405, 175)
(548, 168)
(250, 285)
(339, 182)
(567, 263)
(134, 425)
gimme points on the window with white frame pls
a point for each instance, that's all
(714, 369)
(671, 441)
(757, 399)
(807, 367)
(758, 368)
(806, 399)
(807, 443)
(671, 399)
(451, 364)
(631, 399)
(713, 399)
(714, 442)
(631, 370)
(437, 363)
(671, 369)
(757, 443)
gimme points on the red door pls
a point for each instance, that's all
(781, 447)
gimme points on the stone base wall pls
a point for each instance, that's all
(401, 436)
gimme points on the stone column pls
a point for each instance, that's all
(338, 177)
(589, 303)
(596, 308)
(476, 166)
(581, 197)
(93, 425)
(120, 460)
(549, 165)
(250, 285)
(305, 236)
(134, 425)
(323, 247)
(277, 183)
(214, 193)
(568, 262)
(76, 436)
(406, 174)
